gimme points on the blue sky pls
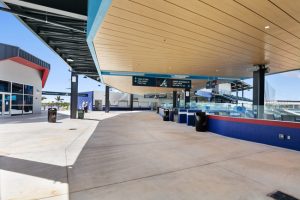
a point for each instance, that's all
(15, 33)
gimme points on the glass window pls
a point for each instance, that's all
(16, 99)
(4, 86)
(28, 99)
(27, 109)
(28, 89)
(17, 88)
(17, 110)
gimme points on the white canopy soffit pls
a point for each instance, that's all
(199, 37)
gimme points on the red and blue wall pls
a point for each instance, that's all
(276, 133)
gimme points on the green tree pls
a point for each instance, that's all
(58, 98)
(58, 101)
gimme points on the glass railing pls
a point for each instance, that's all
(246, 110)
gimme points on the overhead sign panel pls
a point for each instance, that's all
(160, 82)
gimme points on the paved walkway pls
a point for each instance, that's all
(140, 157)
(137, 156)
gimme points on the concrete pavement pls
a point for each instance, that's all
(140, 157)
(137, 156)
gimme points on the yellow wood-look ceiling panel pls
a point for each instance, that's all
(276, 17)
(201, 37)
(274, 36)
(290, 7)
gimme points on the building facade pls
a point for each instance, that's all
(22, 77)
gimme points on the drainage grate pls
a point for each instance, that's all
(73, 129)
(278, 195)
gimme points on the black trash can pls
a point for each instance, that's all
(201, 120)
(171, 115)
(166, 115)
(157, 109)
(52, 115)
(80, 114)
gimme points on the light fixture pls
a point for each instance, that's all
(70, 60)
(267, 27)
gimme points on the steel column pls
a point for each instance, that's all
(187, 98)
(243, 96)
(174, 99)
(259, 90)
(107, 99)
(74, 95)
(237, 96)
(131, 102)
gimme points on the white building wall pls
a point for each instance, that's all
(224, 88)
(15, 72)
(122, 99)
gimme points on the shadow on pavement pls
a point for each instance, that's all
(36, 169)
(31, 118)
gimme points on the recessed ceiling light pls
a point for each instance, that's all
(70, 60)
(267, 27)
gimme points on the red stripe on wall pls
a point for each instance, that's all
(257, 121)
(27, 63)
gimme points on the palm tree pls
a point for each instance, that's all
(58, 100)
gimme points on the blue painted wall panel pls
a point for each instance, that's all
(87, 98)
(257, 133)
(190, 119)
(182, 116)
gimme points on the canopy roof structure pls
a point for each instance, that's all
(240, 86)
(16, 54)
(201, 37)
(210, 39)
(62, 26)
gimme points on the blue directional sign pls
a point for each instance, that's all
(160, 82)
